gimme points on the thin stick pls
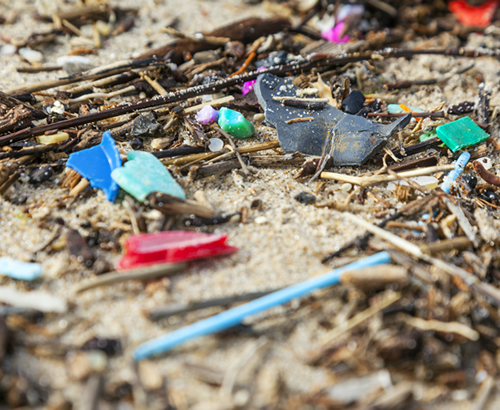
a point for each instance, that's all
(209, 155)
(244, 167)
(438, 326)
(148, 272)
(375, 180)
(472, 281)
(360, 318)
(314, 61)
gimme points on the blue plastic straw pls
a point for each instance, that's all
(236, 315)
(454, 174)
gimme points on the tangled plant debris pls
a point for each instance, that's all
(295, 209)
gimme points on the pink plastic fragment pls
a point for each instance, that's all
(333, 35)
(207, 115)
(171, 247)
(248, 86)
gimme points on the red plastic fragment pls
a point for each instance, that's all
(172, 246)
(473, 16)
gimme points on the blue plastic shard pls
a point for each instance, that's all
(19, 270)
(97, 163)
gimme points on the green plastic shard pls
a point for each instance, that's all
(461, 133)
(142, 174)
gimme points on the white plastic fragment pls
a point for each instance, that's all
(37, 300)
(8, 50)
(486, 162)
(216, 144)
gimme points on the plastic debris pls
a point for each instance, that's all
(235, 123)
(143, 174)
(215, 145)
(172, 247)
(473, 16)
(207, 115)
(97, 163)
(461, 134)
(396, 109)
(19, 270)
(427, 135)
(52, 138)
(354, 102)
(37, 300)
(449, 180)
(349, 139)
(234, 316)
(334, 35)
(425, 181)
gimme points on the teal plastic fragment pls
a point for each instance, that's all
(19, 270)
(142, 174)
(461, 134)
(396, 109)
(428, 135)
(235, 123)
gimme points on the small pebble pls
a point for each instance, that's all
(40, 174)
(470, 180)
(215, 145)
(260, 220)
(136, 144)
(8, 50)
(32, 56)
(354, 102)
(235, 123)
(305, 198)
(207, 115)
(489, 196)
(346, 187)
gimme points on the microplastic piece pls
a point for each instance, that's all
(142, 174)
(334, 35)
(461, 134)
(97, 163)
(207, 115)
(349, 139)
(19, 270)
(52, 138)
(473, 16)
(172, 247)
(234, 316)
(396, 109)
(235, 123)
(450, 179)
(428, 135)
(215, 144)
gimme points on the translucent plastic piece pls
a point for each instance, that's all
(172, 246)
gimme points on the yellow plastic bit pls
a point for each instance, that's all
(52, 138)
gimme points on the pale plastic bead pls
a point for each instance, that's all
(215, 145)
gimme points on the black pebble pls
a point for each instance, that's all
(305, 198)
(470, 180)
(136, 144)
(109, 346)
(40, 174)
(354, 102)
(489, 196)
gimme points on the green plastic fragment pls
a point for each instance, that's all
(428, 135)
(235, 123)
(461, 134)
(142, 174)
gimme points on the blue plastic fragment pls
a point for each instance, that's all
(19, 270)
(449, 179)
(236, 315)
(396, 109)
(97, 163)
